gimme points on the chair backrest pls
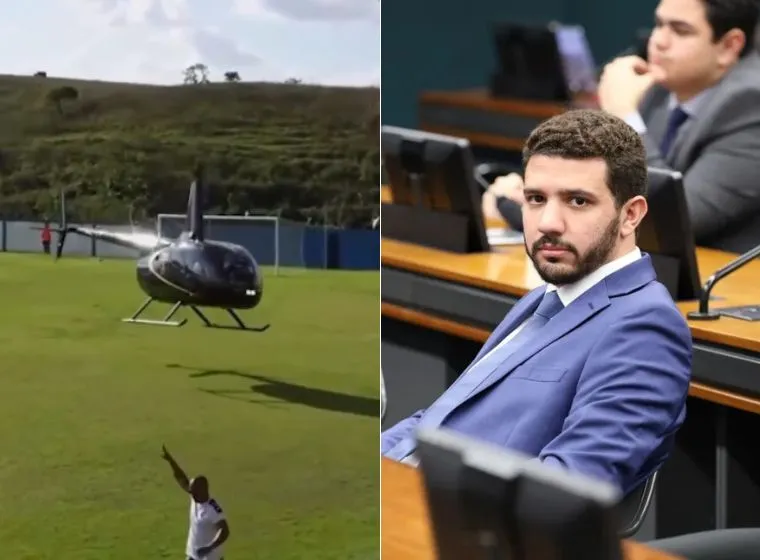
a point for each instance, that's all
(634, 507)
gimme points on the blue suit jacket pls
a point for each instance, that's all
(602, 390)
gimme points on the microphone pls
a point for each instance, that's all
(706, 314)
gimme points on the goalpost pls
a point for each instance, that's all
(273, 241)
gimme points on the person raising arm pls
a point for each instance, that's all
(209, 529)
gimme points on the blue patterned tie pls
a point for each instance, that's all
(469, 382)
(677, 117)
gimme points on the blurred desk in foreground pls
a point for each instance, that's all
(438, 308)
(406, 532)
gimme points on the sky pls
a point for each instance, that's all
(331, 42)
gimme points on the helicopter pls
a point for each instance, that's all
(189, 271)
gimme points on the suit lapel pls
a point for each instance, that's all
(682, 143)
(699, 126)
(629, 278)
(570, 318)
(658, 121)
(515, 317)
(691, 131)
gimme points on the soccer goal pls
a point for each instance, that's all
(273, 241)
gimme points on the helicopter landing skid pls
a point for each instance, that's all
(165, 322)
(241, 326)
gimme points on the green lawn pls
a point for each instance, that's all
(284, 423)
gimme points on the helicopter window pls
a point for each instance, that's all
(237, 269)
(191, 261)
(159, 262)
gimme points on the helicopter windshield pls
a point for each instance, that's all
(238, 269)
(181, 264)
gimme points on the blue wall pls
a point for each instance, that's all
(359, 249)
(300, 245)
(448, 44)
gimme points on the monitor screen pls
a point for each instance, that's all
(530, 65)
(666, 234)
(486, 502)
(577, 60)
(436, 201)
(544, 62)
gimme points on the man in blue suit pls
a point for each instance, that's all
(589, 372)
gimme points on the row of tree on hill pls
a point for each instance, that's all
(198, 73)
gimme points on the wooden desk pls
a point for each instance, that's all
(486, 121)
(439, 307)
(405, 529)
(510, 272)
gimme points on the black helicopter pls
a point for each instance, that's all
(189, 271)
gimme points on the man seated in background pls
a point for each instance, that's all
(591, 371)
(696, 105)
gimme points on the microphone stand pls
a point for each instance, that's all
(706, 314)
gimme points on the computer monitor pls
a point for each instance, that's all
(436, 202)
(578, 62)
(485, 503)
(666, 234)
(550, 62)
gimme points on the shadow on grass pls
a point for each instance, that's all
(291, 392)
(243, 395)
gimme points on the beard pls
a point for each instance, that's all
(554, 271)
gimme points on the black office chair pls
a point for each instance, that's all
(634, 507)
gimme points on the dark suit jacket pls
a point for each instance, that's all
(718, 152)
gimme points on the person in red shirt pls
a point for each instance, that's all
(45, 237)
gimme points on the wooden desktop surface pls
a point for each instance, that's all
(405, 527)
(480, 99)
(510, 271)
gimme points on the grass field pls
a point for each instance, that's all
(284, 423)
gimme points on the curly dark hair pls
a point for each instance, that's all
(590, 134)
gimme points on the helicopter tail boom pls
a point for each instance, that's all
(142, 241)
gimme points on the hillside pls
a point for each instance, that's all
(125, 149)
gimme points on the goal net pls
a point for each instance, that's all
(273, 241)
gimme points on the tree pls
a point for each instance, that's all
(293, 81)
(196, 74)
(231, 76)
(58, 95)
